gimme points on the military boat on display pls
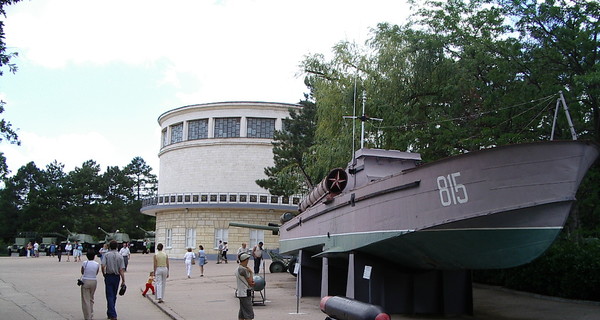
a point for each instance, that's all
(494, 208)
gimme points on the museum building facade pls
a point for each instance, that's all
(210, 157)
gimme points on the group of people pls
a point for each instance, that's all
(189, 258)
(113, 266)
(70, 249)
(32, 250)
(113, 269)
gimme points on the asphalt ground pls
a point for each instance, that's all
(43, 288)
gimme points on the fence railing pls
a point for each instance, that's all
(220, 198)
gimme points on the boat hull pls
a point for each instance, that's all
(495, 208)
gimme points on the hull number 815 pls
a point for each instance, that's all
(451, 192)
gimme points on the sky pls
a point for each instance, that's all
(94, 76)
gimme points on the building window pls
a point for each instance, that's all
(261, 128)
(221, 234)
(256, 236)
(177, 133)
(227, 127)
(169, 238)
(165, 137)
(198, 129)
(190, 238)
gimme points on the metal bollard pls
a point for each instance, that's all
(342, 308)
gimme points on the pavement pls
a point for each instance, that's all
(43, 288)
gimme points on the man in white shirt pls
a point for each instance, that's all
(68, 249)
(242, 249)
(257, 253)
(125, 253)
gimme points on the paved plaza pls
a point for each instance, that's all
(42, 288)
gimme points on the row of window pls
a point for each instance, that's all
(200, 198)
(256, 236)
(223, 128)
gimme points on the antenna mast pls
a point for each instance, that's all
(362, 118)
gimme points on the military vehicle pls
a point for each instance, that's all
(20, 243)
(48, 239)
(137, 245)
(120, 237)
(87, 241)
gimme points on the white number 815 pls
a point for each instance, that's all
(450, 191)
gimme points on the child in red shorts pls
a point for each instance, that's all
(149, 285)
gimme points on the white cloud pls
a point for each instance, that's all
(238, 49)
(209, 51)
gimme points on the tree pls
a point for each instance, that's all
(53, 200)
(562, 44)
(289, 175)
(457, 78)
(461, 76)
(27, 189)
(144, 182)
(6, 131)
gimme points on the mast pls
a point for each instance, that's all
(362, 118)
(559, 101)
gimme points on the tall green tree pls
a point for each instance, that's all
(459, 77)
(462, 76)
(289, 176)
(27, 185)
(7, 133)
(561, 41)
(53, 199)
(145, 183)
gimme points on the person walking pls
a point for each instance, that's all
(125, 253)
(113, 269)
(149, 284)
(36, 249)
(52, 249)
(202, 259)
(77, 251)
(188, 258)
(102, 251)
(245, 282)
(89, 271)
(243, 249)
(68, 249)
(219, 251)
(59, 251)
(257, 253)
(225, 249)
(161, 272)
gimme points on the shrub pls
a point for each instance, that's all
(568, 270)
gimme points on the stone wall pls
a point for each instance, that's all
(206, 221)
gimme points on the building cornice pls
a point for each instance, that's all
(226, 105)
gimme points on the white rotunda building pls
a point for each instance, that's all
(210, 157)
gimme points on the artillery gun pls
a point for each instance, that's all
(87, 241)
(279, 263)
(138, 244)
(120, 237)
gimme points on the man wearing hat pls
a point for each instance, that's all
(245, 282)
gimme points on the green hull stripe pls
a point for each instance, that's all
(440, 249)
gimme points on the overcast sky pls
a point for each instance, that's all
(95, 75)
